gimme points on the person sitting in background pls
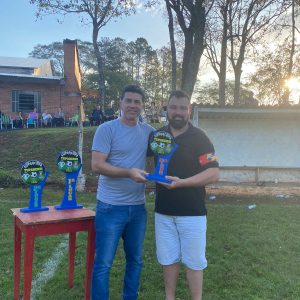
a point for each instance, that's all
(46, 118)
(97, 116)
(59, 118)
(18, 121)
(33, 117)
(110, 114)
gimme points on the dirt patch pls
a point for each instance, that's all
(248, 189)
(248, 194)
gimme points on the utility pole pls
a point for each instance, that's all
(80, 187)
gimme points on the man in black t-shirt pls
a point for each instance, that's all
(180, 213)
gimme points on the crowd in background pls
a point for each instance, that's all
(153, 114)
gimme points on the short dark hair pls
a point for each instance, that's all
(179, 94)
(132, 88)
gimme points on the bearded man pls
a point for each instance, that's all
(180, 212)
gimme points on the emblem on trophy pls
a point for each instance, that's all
(162, 144)
(33, 173)
(69, 162)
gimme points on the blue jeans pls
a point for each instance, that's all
(113, 222)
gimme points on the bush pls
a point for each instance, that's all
(7, 180)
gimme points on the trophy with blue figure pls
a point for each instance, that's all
(33, 173)
(163, 146)
(69, 162)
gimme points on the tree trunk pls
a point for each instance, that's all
(223, 62)
(80, 185)
(187, 53)
(191, 60)
(100, 66)
(172, 44)
(286, 95)
(192, 67)
(237, 85)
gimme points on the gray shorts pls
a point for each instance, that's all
(181, 239)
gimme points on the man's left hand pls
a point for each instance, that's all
(176, 183)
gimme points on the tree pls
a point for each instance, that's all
(272, 67)
(217, 33)
(248, 22)
(124, 63)
(53, 51)
(208, 94)
(172, 44)
(191, 18)
(165, 73)
(96, 12)
(291, 19)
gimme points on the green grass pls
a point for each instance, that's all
(42, 144)
(252, 254)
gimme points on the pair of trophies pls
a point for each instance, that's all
(33, 172)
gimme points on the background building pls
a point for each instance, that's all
(26, 83)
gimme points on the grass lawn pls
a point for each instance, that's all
(43, 144)
(252, 254)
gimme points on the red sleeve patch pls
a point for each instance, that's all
(207, 158)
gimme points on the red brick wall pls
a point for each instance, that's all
(51, 97)
(72, 71)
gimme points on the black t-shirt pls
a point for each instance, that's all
(195, 153)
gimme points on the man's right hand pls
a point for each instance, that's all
(137, 175)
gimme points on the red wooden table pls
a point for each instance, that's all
(49, 223)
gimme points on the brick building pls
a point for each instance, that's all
(26, 83)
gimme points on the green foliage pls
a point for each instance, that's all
(7, 179)
(53, 51)
(124, 63)
(209, 94)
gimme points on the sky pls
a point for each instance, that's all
(20, 31)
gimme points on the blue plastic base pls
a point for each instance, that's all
(157, 178)
(28, 210)
(60, 207)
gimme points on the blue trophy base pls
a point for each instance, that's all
(157, 178)
(28, 210)
(64, 207)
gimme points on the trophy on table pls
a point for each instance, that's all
(33, 173)
(69, 162)
(162, 144)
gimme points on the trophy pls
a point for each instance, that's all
(33, 173)
(162, 144)
(69, 162)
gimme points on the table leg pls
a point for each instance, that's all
(17, 258)
(28, 258)
(72, 243)
(90, 253)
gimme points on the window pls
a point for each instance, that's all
(26, 101)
